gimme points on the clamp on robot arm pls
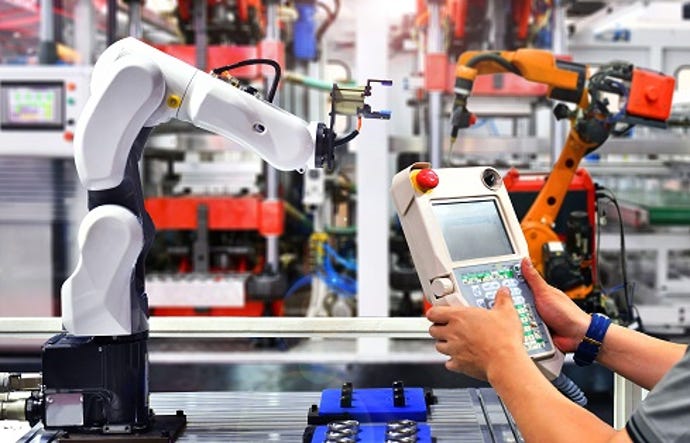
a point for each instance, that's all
(644, 98)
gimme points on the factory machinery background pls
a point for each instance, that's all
(242, 249)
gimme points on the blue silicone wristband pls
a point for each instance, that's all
(588, 348)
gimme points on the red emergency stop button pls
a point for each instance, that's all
(426, 179)
(68, 136)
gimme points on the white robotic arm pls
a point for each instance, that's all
(135, 86)
(95, 373)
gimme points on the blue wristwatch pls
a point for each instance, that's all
(588, 348)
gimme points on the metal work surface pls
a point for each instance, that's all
(467, 415)
(460, 415)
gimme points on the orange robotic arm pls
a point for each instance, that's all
(536, 65)
(566, 80)
(646, 99)
(645, 96)
(539, 221)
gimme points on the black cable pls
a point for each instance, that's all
(597, 275)
(640, 326)
(624, 266)
(610, 79)
(347, 138)
(257, 61)
(622, 131)
(608, 195)
(495, 58)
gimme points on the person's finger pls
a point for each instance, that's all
(437, 331)
(439, 314)
(452, 365)
(534, 279)
(443, 347)
(503, 300)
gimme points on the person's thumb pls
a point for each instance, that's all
(534, 279)
(503, 299)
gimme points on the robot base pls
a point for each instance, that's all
(164, 428)
(96, 384)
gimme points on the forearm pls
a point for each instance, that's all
(540, 411)
(638, 357)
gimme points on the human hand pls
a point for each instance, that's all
(567, 322)
(475, 338)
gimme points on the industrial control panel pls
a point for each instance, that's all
(39, 108)
(466, 243)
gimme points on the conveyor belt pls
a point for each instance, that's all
(461, 415)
